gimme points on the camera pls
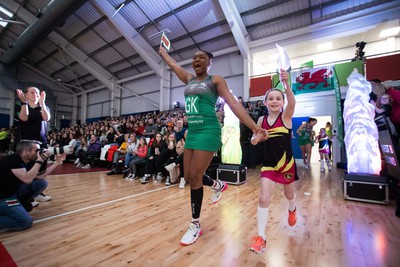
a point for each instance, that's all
(361, 45)
(360, 50)
(42, 151)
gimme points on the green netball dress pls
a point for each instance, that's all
(204, 129)
(305, 137)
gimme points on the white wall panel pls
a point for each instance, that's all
(105, 109)
(148, 89)
(235, 84)
(7, 97)
(142, 85)
(64, 110)
(175, 81)
(98, 96)
(131, 104)
(177, 95)
(227, 65)
(94, 111)
(64, 99)
(5, 105)
(7, 100)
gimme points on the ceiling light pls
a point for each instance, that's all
(2, 23)
(324, 46)
(5, 11)
(117, 9)
(389, 32)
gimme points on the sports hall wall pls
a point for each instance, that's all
(143, 93)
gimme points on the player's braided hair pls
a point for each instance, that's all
(210, 56)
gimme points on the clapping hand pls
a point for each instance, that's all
(42, 98)
(21, 95)
(171, 145)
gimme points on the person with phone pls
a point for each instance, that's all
(131, 151)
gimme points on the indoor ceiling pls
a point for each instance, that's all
(88, 44)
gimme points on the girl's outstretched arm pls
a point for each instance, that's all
(182, 74)
(291, 101)
(258, 137)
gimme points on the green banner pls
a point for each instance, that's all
(276, 83)
(340, 129)
(344, 70)
(309, 64)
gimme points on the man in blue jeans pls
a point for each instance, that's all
(20, 183)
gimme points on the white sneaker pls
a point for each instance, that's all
(133, 177)
(87, 166)
(35, 204)
(159, 177)
(191, 235)
(182, 183)
(168, 181)
(329, 164)
(128, 177)
(216, 196)
(42, 198)
(76, 161)
(145, 179)
(170, 167)
(79, 165)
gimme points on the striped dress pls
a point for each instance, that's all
(278, 161)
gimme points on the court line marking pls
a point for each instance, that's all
(101, 204)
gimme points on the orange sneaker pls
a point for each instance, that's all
(292, 219)
(258, 245)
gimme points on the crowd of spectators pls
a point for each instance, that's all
(111, 130)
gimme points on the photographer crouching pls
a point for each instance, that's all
(21, 181)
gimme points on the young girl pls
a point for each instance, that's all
(278, 162)
(155, 150)
(323, 140)
(131, 151)
(166, 157)
(141, 155)
(383, 106)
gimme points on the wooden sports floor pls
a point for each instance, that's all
(100, 220)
